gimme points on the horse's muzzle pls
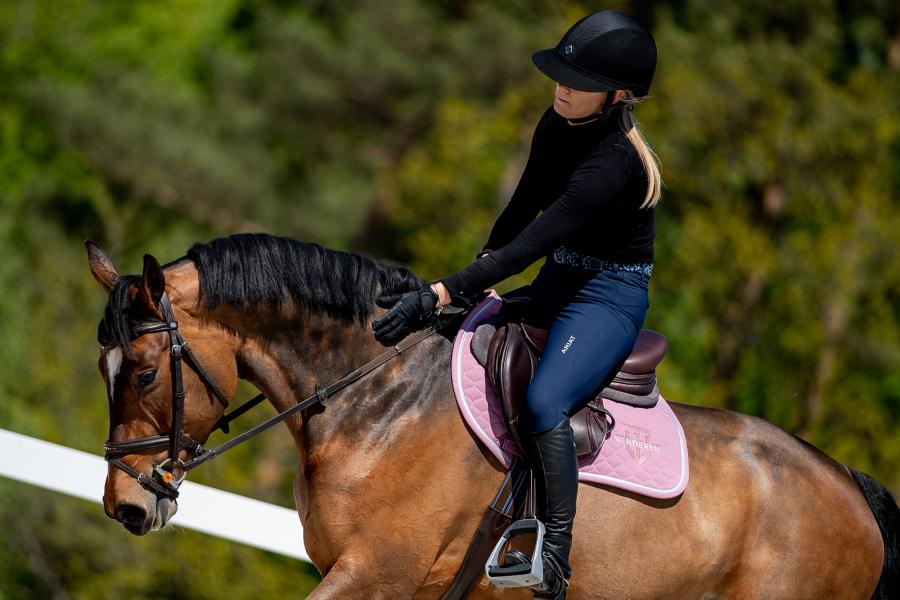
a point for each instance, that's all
(141, 520)
(133, 517)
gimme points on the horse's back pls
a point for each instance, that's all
(762, 512)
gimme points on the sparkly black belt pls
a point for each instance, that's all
(564, 256)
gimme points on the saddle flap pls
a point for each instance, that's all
(512, 364)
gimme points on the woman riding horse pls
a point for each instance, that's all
(597, 183)
(386, 470)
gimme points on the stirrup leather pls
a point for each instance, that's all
(520, 570)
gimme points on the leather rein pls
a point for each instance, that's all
(168, 475)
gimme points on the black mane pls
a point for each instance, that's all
(262, 270)
(248, 268)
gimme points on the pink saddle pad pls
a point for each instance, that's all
(646, 453)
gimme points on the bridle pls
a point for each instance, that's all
(168, 475)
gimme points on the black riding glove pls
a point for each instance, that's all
(412, 311)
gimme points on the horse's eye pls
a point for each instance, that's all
(146, 378)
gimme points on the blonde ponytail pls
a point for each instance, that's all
(648, 157)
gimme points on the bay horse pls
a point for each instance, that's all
(391, 484)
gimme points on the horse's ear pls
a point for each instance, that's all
(153, 283)
(101, 266)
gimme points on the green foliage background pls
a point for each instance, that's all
(400, 130)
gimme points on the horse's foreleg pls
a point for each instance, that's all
(344, 580)
(359, 575)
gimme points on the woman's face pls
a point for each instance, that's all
(574, 104)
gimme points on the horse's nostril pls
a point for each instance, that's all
(129, 514)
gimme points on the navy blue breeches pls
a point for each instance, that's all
(594, 318)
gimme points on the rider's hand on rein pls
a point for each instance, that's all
(412, 311)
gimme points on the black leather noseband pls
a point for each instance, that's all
(168, 475)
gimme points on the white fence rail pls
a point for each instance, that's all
(223, 514)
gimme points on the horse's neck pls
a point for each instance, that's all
(281, 352)
(285, 355)
(286, 358)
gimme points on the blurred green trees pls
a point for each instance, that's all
(401, 133)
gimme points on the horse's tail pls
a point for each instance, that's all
(887, 515)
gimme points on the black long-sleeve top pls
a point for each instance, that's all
(589, 182)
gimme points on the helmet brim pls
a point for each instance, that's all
(562, 71)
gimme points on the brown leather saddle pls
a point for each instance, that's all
(509, 348)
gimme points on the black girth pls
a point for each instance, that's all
(168, 475)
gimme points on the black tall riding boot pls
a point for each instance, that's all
(551, 456)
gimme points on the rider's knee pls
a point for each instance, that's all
(539, 411)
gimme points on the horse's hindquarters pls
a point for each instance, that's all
(762, 513)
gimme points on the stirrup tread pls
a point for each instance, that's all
(515, 557)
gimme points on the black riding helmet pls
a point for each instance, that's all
(605, 51)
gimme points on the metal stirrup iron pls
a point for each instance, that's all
(516, 569)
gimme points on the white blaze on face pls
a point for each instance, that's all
(113, 364)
